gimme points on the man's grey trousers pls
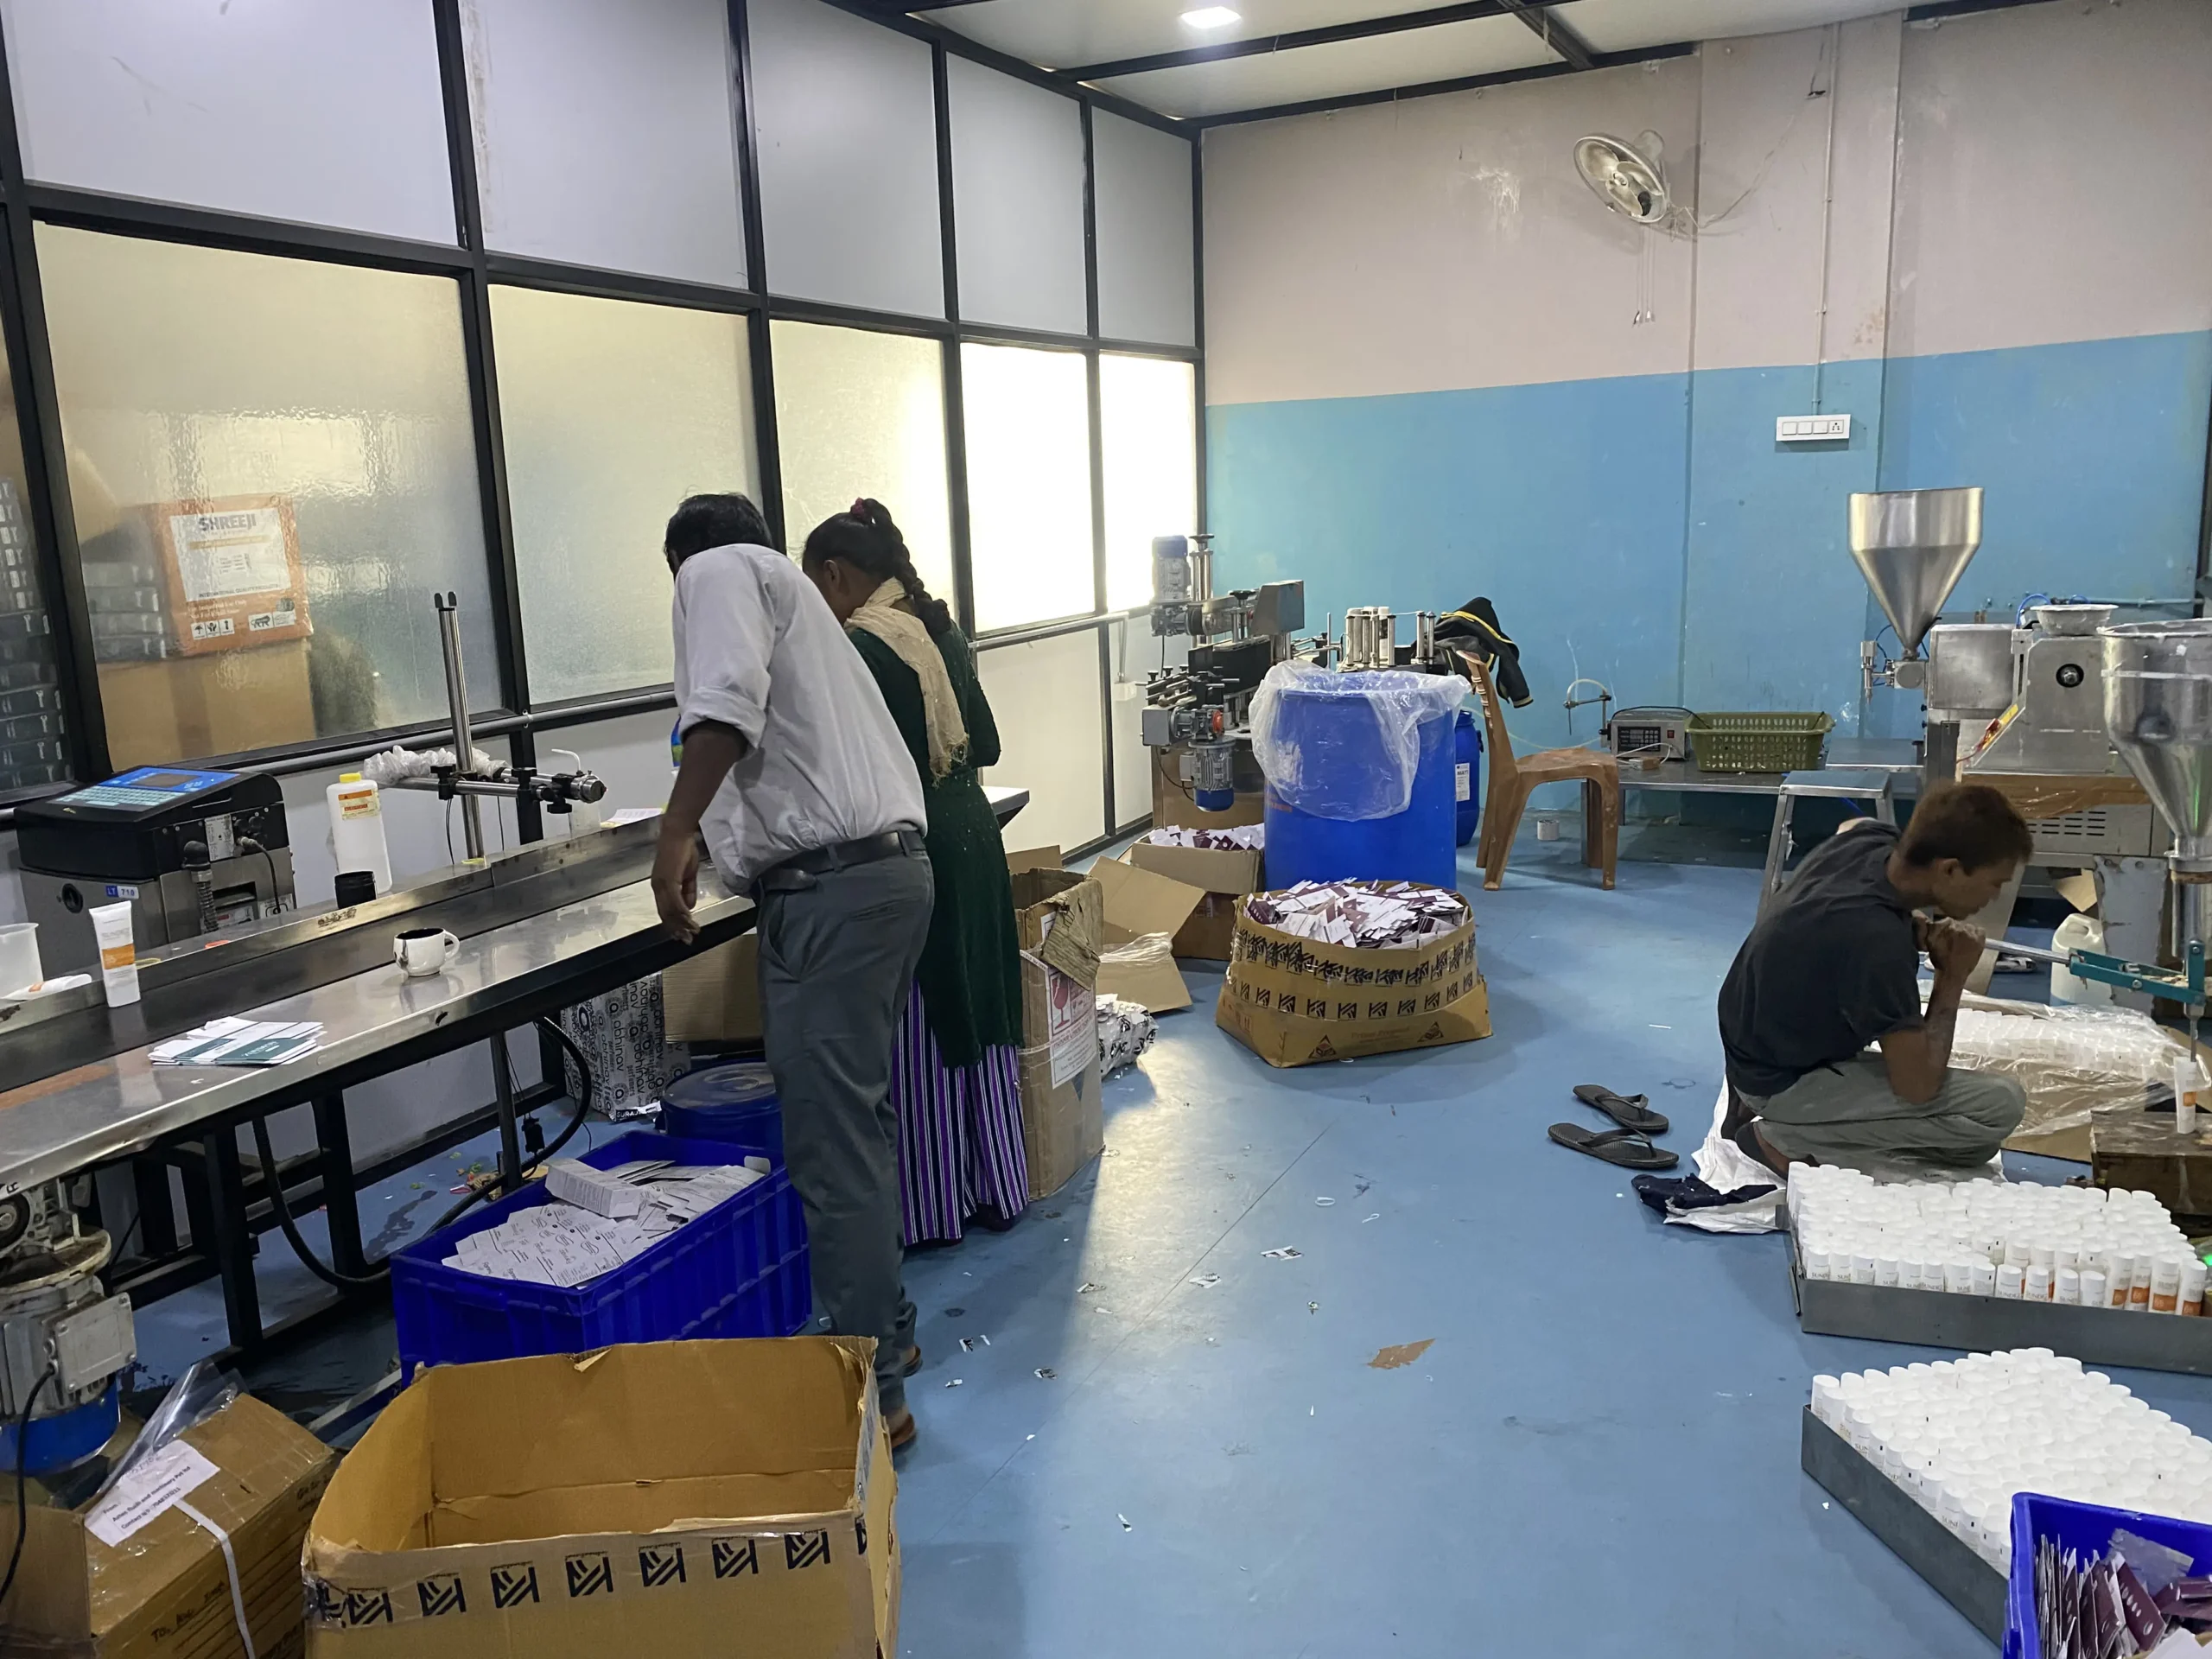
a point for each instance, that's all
(837, 956)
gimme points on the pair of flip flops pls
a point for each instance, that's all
(1629, 1146)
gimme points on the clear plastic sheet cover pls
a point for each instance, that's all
(1327, 760)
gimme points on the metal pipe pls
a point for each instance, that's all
(471, 820)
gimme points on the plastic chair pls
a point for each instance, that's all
(1513, 776)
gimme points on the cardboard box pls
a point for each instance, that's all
(1295, 1001)
(187, 708)
(1138, 902)
(666, 1498)
(1058, 916)
(1224, 876)
(162, 1587)
(713, 996)
(1174, 807)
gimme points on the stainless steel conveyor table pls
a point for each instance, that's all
(374, 1023)
(104, 1099)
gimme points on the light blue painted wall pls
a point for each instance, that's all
(1563, 503)
(1649, 531)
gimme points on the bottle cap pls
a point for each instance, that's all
(349, 776)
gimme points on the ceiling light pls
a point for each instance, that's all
(1212, 18)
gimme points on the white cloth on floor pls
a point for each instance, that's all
(1724, 1166)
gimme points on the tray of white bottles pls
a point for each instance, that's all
(1930, 1455)
(2103, 1277)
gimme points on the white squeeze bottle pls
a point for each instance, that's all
(357, 828)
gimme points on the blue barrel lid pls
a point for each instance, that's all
(742, 1083)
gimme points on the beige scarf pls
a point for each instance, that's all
(903, 632)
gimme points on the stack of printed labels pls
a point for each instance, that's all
(599, 1218)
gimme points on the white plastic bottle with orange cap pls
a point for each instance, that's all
(357, 828)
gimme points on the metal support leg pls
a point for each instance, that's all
(1886, 803)
(503, 1089)
(150, 1184)
(230, 1242)
(1777, 846)
(340, 1204)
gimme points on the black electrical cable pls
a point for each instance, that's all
(275, 1181)
(491, 1186)
(23, 1490)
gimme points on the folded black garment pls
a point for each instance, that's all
(1678, 1196)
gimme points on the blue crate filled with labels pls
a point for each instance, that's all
(738, 1268)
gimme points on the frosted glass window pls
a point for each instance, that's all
(1017, 194)
(1132, 650)
(1145, 257)
(1148, 440)
(272, 465)
(606, 134)
(1045, 695)
(1027, 416)
(846, 118)
(323, 112)
(859, 413)
(32, 748)
(613, 412)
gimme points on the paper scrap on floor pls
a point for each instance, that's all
(1724, 1166)
(599, 1218)
(234, 1041)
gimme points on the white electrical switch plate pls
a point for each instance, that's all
(1812, 429)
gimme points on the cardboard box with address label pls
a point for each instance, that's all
(661, 1498)
(202, 1533)
(1058, 917)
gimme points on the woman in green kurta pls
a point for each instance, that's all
(956, 1074)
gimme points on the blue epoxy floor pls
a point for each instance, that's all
(1597, 1456)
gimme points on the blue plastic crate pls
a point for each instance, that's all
(738, 1270)
(2088, 1527)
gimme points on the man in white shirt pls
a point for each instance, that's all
(808, 797)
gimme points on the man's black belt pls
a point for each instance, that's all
(800, 868)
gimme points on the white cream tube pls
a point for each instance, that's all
(119, 952)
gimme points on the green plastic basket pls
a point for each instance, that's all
(1762, 740)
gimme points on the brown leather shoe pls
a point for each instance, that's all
(914, 1359)
(901, 1426)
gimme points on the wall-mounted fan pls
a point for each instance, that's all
(1626, 179)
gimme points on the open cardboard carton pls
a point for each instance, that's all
(676, 1497)
(713, 996)
(1222, 876)
(1296, 1002)
(161, 1587)
(1060, 919)
(1140, 903)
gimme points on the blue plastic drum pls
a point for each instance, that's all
(725, 1103)
(1337, 731)
(1467, 776)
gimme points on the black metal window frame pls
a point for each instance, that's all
(476, 270)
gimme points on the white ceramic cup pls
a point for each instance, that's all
(422, 951)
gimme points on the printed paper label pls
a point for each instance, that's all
(226, 555)
(1072, 1026)
(1462, 780)
(150, 1489)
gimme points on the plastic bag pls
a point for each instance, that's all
(1346, 746)
(204, 1389)
(2070, 1060)
(1126, 1029)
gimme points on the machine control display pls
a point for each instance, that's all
(150, 787)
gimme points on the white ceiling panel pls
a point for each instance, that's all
(1629, 25)
(1485, 46)
(1069, 34)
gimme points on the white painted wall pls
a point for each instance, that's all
(1439, 243)
(2049, 186)
(2044, 170)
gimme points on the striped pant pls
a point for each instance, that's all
(959, 1133)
